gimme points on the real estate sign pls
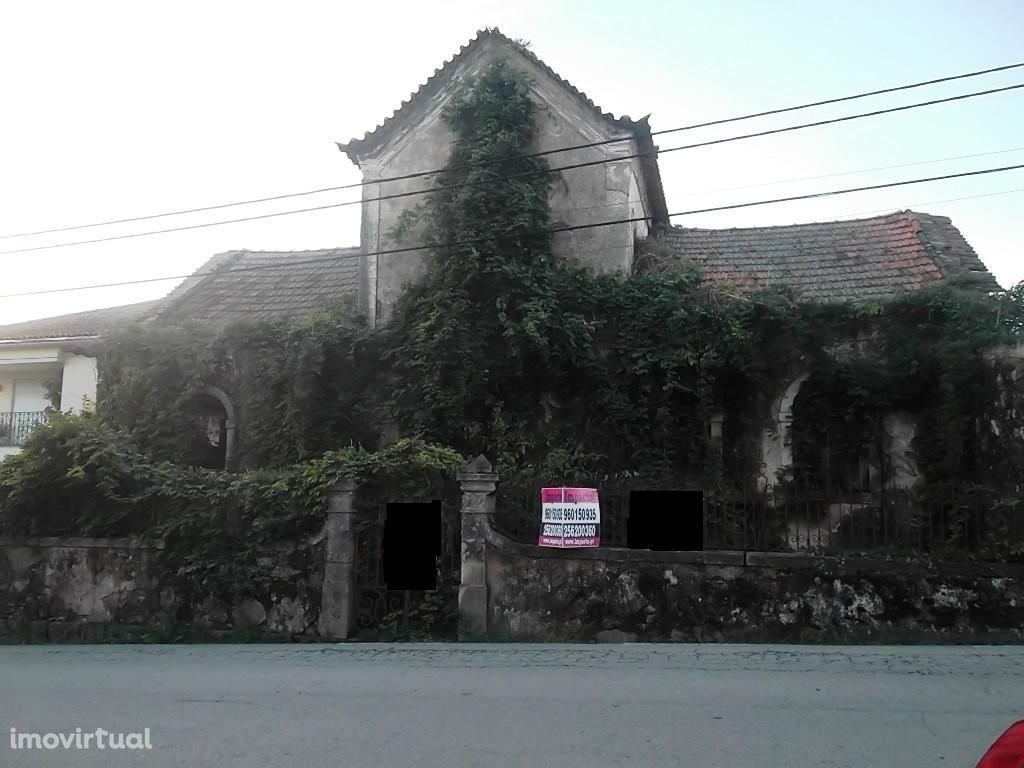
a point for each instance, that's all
(570, 517)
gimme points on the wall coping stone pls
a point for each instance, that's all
(617, 554)
(59, 542)
(773, 560)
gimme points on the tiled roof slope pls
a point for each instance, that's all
(77, 325)
(833, 261)
(242, 285)
(437, 81)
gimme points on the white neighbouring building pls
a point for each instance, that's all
(39, 357)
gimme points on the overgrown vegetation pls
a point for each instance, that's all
(553, 372)
(80, 476)
(301, 387)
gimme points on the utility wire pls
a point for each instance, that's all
(935, 202)
(557, 169)
(780, 182)
(545, 153)
(520, 235)
(858, 171)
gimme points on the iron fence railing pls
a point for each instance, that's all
(16, 427)
(939, 521)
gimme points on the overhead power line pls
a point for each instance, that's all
(854, 172)
(520, 235)
(544, 153)
(936, 202)
(485, 182)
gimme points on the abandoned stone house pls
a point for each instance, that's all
(852, 260)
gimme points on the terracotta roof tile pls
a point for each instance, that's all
(240, 285)
(77, 325)
(838, 260)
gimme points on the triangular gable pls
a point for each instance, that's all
(443, 77)
(420, 102)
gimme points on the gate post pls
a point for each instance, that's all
(478, 483)
(339, 588)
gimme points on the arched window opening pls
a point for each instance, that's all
(209, 427)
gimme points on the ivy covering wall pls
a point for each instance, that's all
(504, 349)
(552, 371)
(300, 387)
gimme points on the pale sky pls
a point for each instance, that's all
(117, 109)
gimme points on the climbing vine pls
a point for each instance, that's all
(299, 386)
(561, 374)
(507, 350)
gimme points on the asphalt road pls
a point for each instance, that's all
(375, 706)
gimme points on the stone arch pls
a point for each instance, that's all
(210, 441)
(776, 440)
(230, 424)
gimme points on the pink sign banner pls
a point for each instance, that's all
(570, 518)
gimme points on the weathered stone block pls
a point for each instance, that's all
(250, 613)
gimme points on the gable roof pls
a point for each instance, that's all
(79, 325)
(831, 261)
(243, 285)
(442, 77)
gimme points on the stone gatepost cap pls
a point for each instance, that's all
(478, 466)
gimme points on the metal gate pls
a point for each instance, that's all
(384, 613)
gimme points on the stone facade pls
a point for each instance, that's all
(417, 139)
(115, 589)
(626, 595)
(101, 589)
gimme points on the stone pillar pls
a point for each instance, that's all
(900, 458)
(478, 482)
(716, 447)
(337, 609)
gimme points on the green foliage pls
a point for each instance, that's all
(556, 372)
(73, 477)
(931, 354)
(559, 373)
(479, 322)
(299, 386)
(80, 476)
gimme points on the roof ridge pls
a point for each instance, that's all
(303, 250)
(894, 214)
(353, 147)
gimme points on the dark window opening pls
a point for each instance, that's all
(412, 545)
(834, 441)
(666, 521)
(207, 436)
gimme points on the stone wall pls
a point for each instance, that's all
(115, 589)
(617, 595)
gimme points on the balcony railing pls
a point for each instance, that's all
(15, 427)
